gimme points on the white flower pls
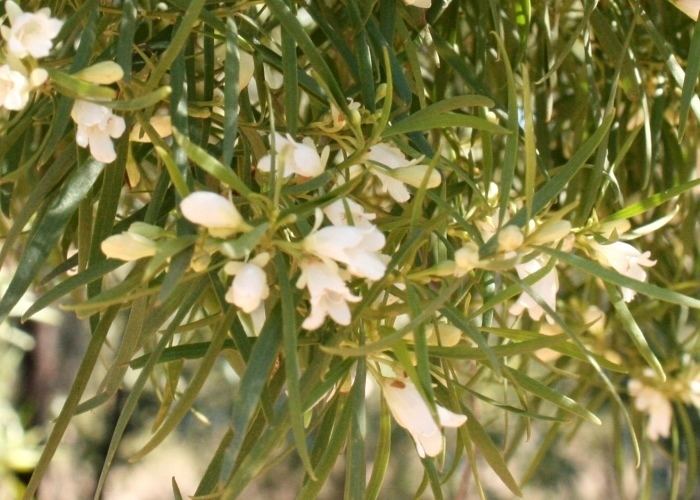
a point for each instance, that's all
(249, 288)
(402, 171)
(128, 246)
(626, 260)
(14, 89)
(356, 247)
(213, 211)
(412, 413)
(97, 125)
(546, 289)
(29, 33)
(329, 294)
(293, 157)
(337, 213)
(689, 7)
(651, 401)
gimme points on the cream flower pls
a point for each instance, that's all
(249, 288)
(128, 246)
(421, 4)
(161, 123)
(396, 171)
(246, 69)
(651, 401)
(14, 89)
(689, 7)
(293, 157)
(466, 258)
(337, 213)
(626, 260)
(546, 289)
(97, 125)
(329, 293)
(356, 247)
(29, 33)
(412, 413)
(213, 211)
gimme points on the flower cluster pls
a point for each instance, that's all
(28, 38)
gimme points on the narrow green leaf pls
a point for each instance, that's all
(186, 400)
(231, 90)
(440, 119)
(291, 361)
(48, 230)
(211, 165)
(70, 284)
(490, 452)
(651, 202)
(621, 280)
(184, 304)
(262, 357)
(291, 25)
(542, 391)
(692, 71)
(69, 407)
(140, 102)
(381, 459)
(635, 333)
(177, 42)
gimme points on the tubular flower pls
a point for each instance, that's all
(329, 293)
(412, 413)
(626, 260)
(293, 157)
(356, 247)
(29, 33)
(546, 289)
(651, 401)
(97, 125)
(213, 211)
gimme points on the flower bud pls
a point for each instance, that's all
(550, 231)
(128, 246)
(249, 288)
(37, 77)
(413, 176)
(214, 212)
(466, 258)
(101, 73)
(510, 238)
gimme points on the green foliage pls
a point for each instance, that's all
(501, 152)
